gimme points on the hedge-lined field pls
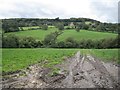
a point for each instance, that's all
(82, 35)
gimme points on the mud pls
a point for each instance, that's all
(76, 72)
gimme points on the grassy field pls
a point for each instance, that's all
(16, 59)
(37, 34)
(82, 35)
(106, 54)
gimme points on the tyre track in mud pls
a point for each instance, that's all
(77, 72)
(109, 80)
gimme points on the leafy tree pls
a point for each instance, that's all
(51, 38)
(77, 29)
(10, 41)
(57, 19)
(60, 26)
(10, 25)
(39, 44)
(61, 44)
(101, 27)
(28, 42)
(85, 27)
(44, 27)
(70, 43)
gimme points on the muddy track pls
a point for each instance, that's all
(76, 72)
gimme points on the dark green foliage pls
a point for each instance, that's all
(45, 27)
(11, 41)
(88, 44)
(61, 44)
(101, 27)
(10, 25)
(81, 26)
(51, 38)
(77, 29)
(70, 43)
(28, 42)
(86, 27)
(60, 26)
(39, 44)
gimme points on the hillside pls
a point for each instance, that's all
(82, 35)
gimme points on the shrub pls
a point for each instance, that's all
(10, 41)
(45, 27)
(61, 44)
(60, 26)
(77, 29)
(86, 27)
(51, 38)
(28, 42)
(70, 43)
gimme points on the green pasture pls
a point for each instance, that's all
(82, 35)
(17, 59)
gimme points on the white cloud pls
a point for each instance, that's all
(103, 10)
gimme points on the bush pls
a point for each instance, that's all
(10, 25)
(60, 26)
(39, 44)
(28, 42)
(61, 44)
(50, 39)
(10, 41)
(45, 27)
(86, 27)
(70, 43)
(77, 29)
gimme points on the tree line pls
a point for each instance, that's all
(13, 25)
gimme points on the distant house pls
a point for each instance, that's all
(72, 25)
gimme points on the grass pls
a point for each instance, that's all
(28, 28)
(37, 34)
(17, 59)
(82, 35)
(106, 54)
(35, 27)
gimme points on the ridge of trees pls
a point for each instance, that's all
(13, 25)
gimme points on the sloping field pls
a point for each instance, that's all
(82, 35)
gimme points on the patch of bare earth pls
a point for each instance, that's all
(76, 72)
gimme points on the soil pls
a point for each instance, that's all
(76, 72)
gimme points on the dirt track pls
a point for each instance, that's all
(76, 72)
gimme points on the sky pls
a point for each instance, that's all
(101, 10)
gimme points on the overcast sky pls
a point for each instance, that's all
(102, 10)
